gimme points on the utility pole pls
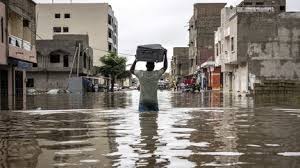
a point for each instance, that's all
(74, 58)
(78, 58)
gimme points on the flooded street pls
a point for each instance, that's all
(191, 130)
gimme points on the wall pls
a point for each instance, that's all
(208, 21)
(273, 52)
(90, 19)
(181, 55)
(3, 56)
(44, 81)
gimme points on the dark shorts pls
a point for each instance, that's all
(145, 107)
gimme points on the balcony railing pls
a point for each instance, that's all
(18, 42)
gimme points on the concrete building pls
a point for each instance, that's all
(17, 50)
(258, 45)
(277, 5)
(96, 20)
(181, 63)
(204, 22)
(59, 59)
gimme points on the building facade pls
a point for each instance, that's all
(258, 44)
(58, 60)
(96, 20)
(17, 50)
(181, 62)
(204, 22)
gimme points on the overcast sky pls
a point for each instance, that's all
(156, 21)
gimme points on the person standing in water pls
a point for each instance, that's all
(149, 84)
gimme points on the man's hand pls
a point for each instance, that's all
(165, 62)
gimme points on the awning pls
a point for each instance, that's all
(208, 64)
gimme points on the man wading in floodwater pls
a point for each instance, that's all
(149, 85)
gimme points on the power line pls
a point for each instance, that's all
(112, 52)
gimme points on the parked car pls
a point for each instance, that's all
(117, 87)
(133, 87)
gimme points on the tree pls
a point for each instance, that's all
(114, 66)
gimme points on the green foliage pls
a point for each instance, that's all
(114, 65)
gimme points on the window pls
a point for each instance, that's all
(248, 3)
(232, 43)
(109, 47)
(26, 23)
(66, 29)
(217, 48)
(110, 33)
(260, 3)
(67, 15)
(66, 61)
(57, 15)
(30, 83)
(192, 62)
(282, 8)
(2, 30)
(55, 58)
(109, 20)
(34, 65)
(56, 29)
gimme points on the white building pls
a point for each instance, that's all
(97, 20)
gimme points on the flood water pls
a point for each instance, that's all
(191, 130)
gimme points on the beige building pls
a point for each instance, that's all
(96, 20)
(17, 50)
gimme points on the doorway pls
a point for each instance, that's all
(3, 90)
(19, 90)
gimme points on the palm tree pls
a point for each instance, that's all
(114, 66)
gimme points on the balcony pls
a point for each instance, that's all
(21, 49)
(227, 58)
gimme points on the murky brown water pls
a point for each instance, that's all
(191, 130)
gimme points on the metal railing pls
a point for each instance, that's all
(18, 42)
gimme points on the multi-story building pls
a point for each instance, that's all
(96, 20)
(257, 44)
(17, 50)
(58, 60)
(204, 22)
(181, 62)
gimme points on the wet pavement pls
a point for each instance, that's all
(191, 130)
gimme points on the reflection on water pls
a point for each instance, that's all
(192, 130)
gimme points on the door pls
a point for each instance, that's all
(230, 81)
(19, 89)
(3, 90)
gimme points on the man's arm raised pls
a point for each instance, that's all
(132, 69)
(165, 62)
